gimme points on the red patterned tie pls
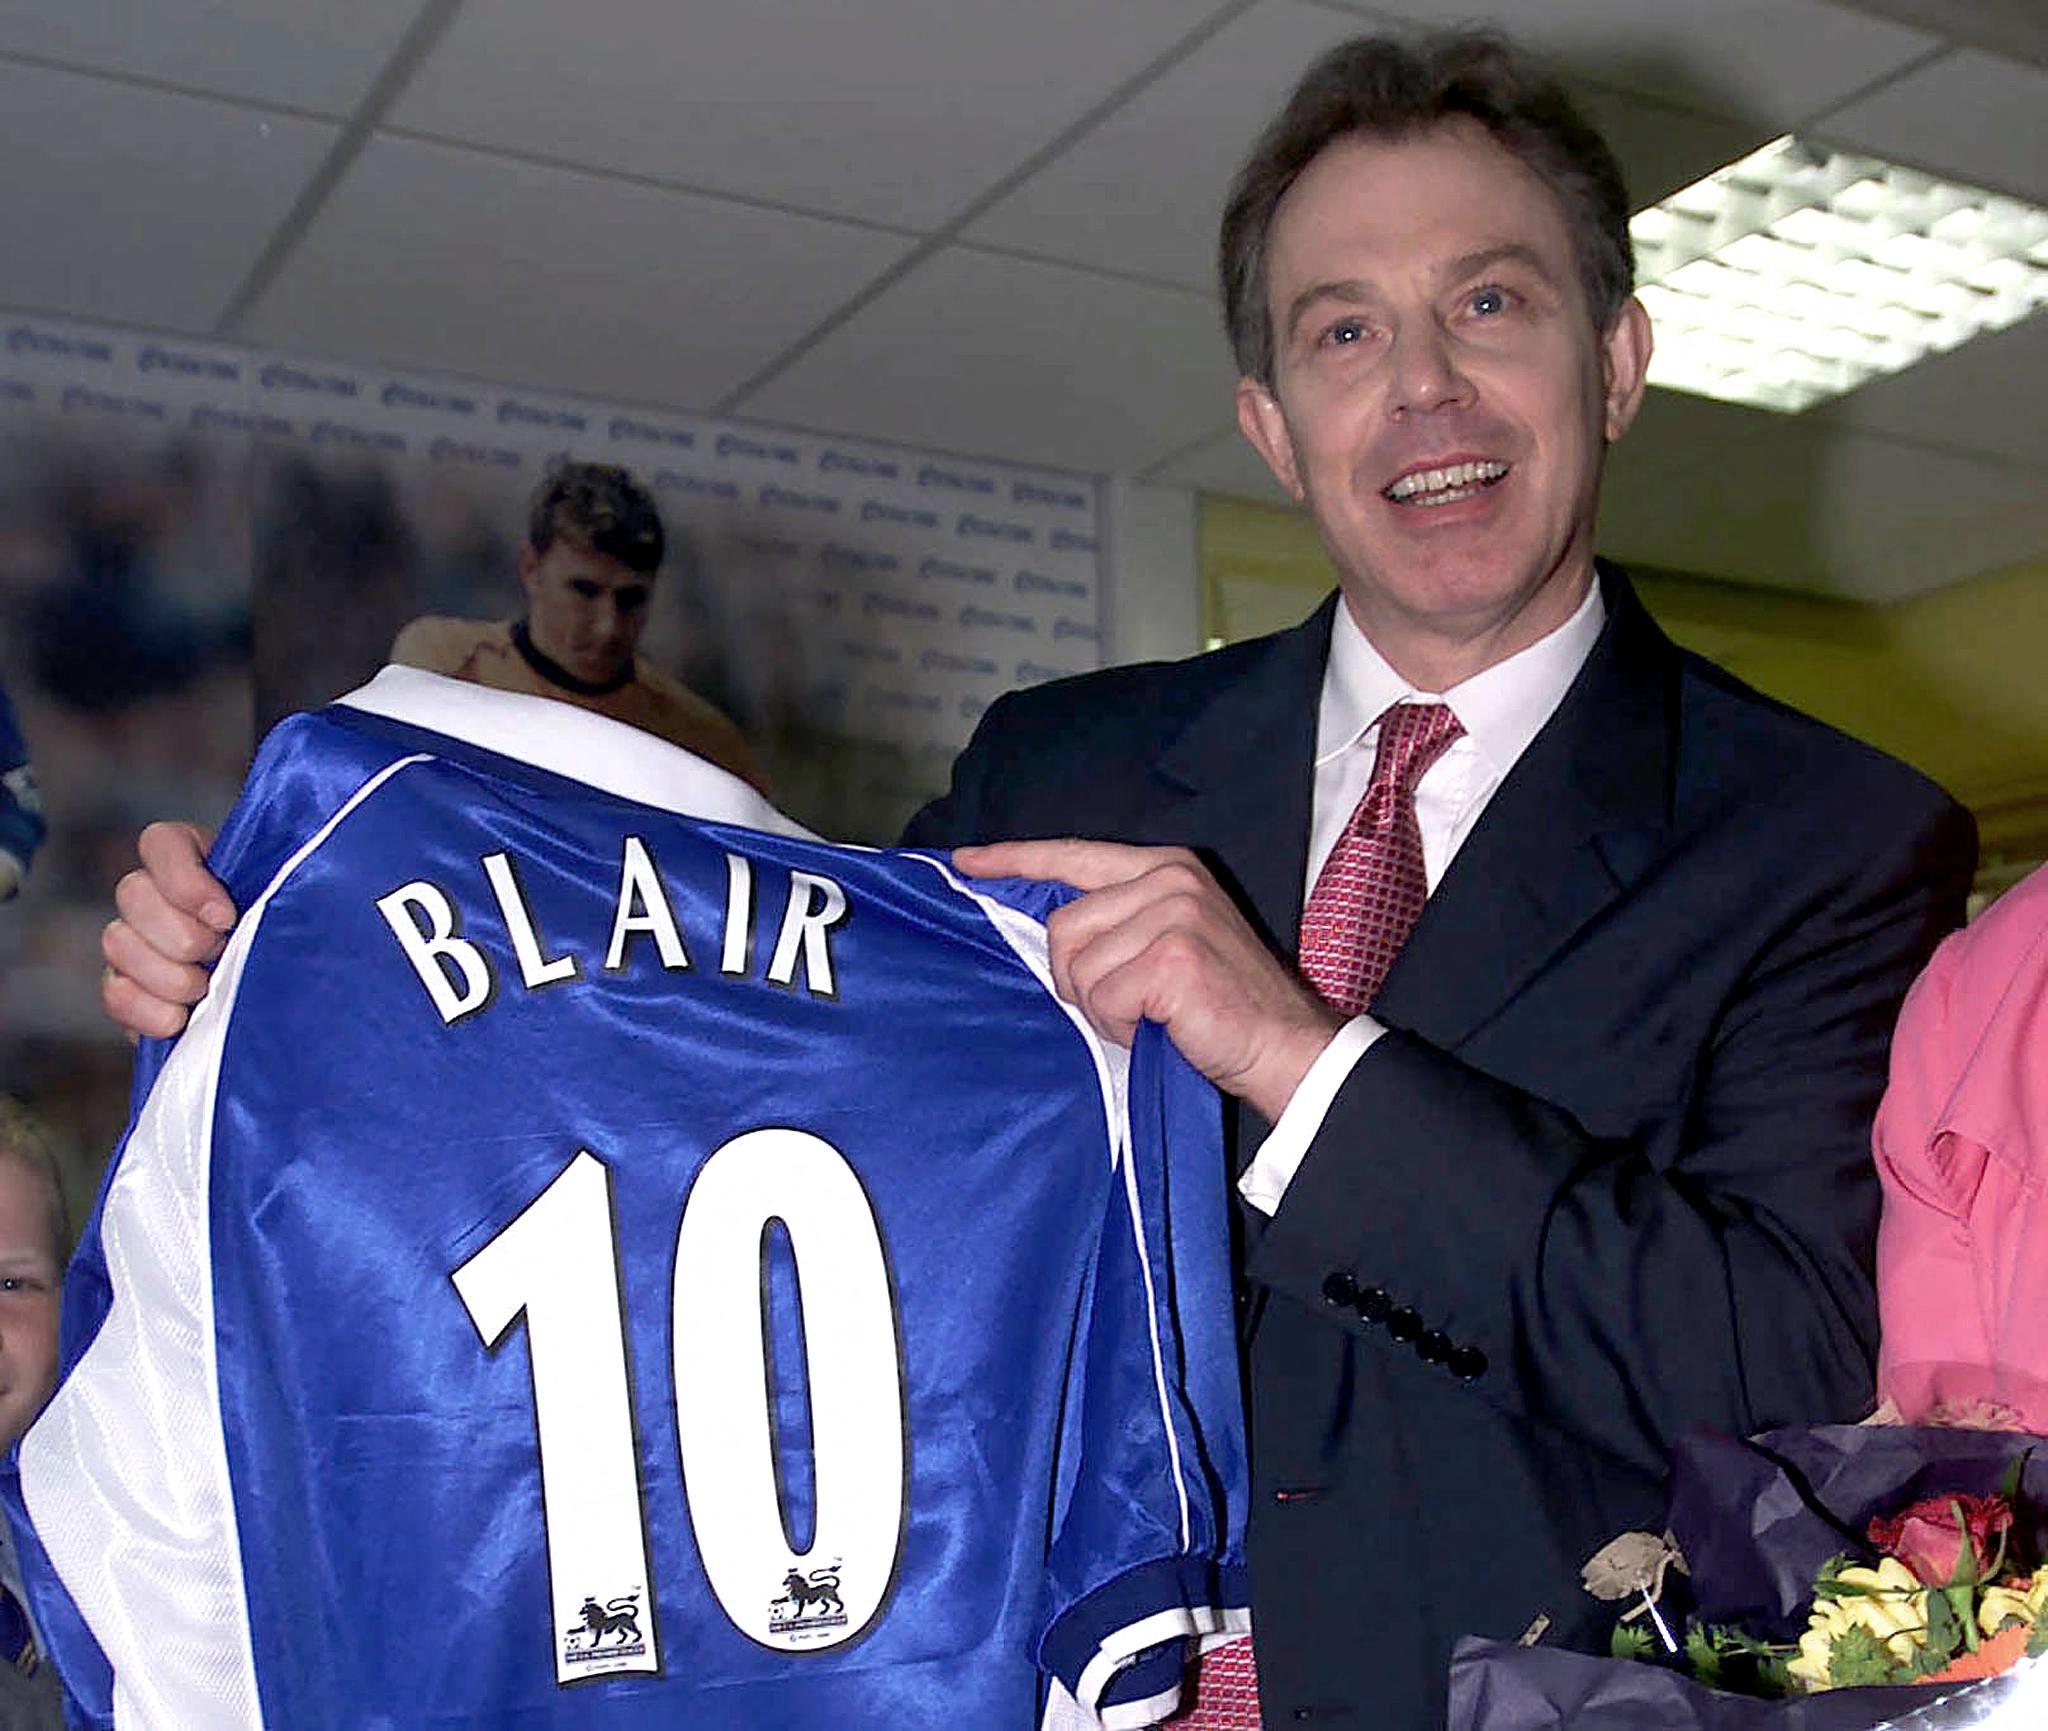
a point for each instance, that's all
(1371, 889)
(1226, 1694)
(1367, 896)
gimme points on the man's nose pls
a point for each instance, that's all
(1425, 375)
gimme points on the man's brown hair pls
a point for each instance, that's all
(1388, 87)
(600, 506)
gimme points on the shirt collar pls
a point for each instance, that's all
(1502, 707)
(570, 741)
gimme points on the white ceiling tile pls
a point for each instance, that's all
(1767, 63)
(433, 256)
(1225, 463)
(1010, 358)
(315, 54)
(1983, 398)
(1660, 148)
(899, 111)
(1145, 187)
(1791, 502)
(1969, 115)
(137, 205)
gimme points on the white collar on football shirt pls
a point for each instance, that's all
(1502, 708)
(572, 742)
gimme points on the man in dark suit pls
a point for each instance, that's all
(1592, 1167)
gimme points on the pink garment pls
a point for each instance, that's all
(1962, 1149)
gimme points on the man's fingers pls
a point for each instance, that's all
(137, 1012)
(174, 856)
(151, 973)
(154, 924)
(1087, 865)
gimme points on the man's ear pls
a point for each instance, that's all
(1624, 364)
(1262, 421)
(529, 563)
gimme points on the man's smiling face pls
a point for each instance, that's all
(1441, 398)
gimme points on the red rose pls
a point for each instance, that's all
(1928, 1537)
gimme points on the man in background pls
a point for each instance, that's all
(594, 543)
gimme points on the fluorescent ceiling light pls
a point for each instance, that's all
(1800, 272)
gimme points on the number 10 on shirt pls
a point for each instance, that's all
(556, 1264)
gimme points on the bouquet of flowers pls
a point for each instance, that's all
(1839, 1577)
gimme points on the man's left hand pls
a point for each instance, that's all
(1154, 936)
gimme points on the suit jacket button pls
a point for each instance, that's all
(1466, 1363)
(1374, 1304)
(1404, 1324)
(1340, 1290)
(1434, 1347)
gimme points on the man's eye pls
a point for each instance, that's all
(589, 591)
(1488, 301)
(1343, 332)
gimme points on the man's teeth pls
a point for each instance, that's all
(1443, 486)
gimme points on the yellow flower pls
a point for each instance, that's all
(2003, 1605)
(1892, 1606)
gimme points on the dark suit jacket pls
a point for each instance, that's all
(1608, 1178)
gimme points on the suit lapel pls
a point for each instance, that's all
(1243, 769)
(1576, 821)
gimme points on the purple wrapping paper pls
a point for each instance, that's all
(1756, 1520)
(1754, 1542)
(1496, 1686)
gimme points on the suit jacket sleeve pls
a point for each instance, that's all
(1621, 1290)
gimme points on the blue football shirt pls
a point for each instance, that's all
(601, 1257)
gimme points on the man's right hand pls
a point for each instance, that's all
(173, 919)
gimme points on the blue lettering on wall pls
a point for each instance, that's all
(991, 619)
(1037, 673)
(838, 557)
(952, 572)
(953, 480)
(738, 445)
(77, 399)
(772, 497)
(279, 377)
(1065, 629)
(208, 418)
(159, 360)
(399, 395)
(852, 463)
(945, 661)
(333, 433)
(1033, 493)
(875, 605)
(879, 511)
(678, 481)
(624, 427)
(1071, 541)
(446, 450)
(993, 529)
(511, 409)
(1038, 583)
(26, 339)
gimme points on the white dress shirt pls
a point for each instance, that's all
(1501, 708)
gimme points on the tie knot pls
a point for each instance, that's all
(1412, 737)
